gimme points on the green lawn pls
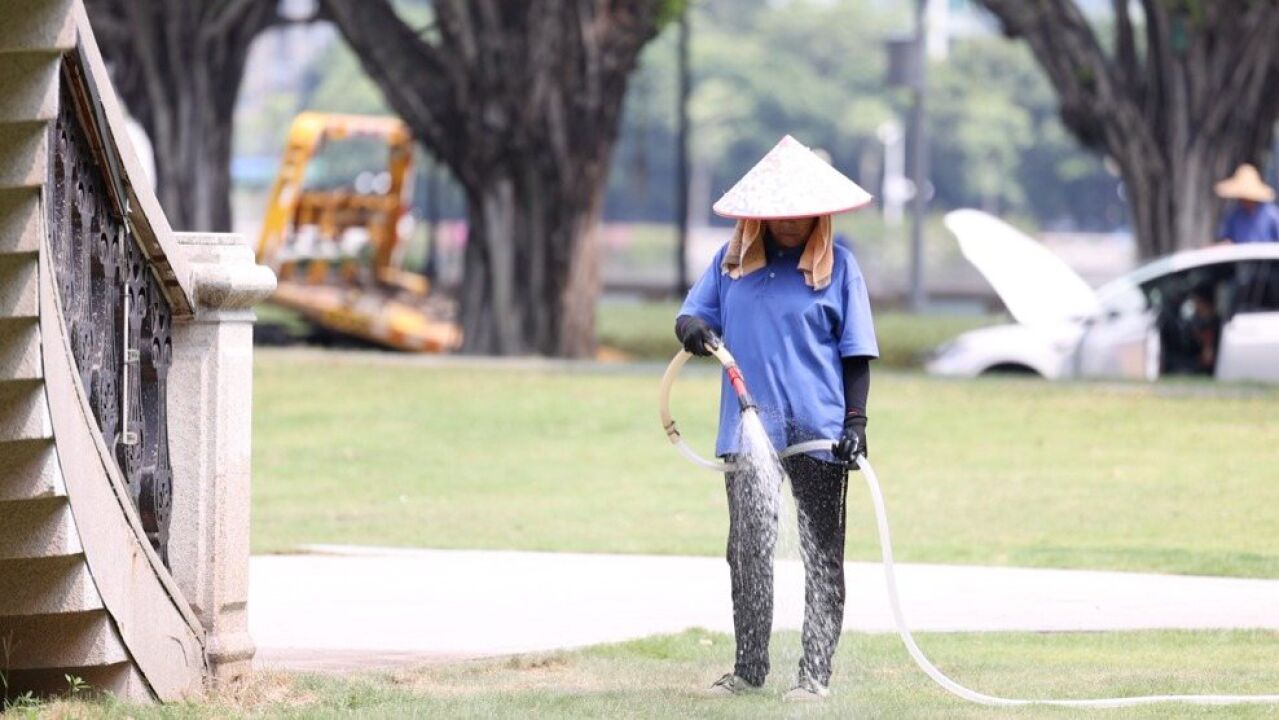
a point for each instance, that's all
(646, 331)
(657, 677)
(376, 449)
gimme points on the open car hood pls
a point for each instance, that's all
(1035, 285)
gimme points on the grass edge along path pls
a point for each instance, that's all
(659, 677)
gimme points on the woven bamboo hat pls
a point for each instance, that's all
(1245, 184)
(791, 182)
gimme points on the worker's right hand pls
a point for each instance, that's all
(696, 335)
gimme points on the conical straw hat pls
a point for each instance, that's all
(1245, 184)
(791, 181)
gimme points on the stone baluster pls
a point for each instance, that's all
(210, 432)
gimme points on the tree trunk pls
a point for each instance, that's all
(1150, 206)
(533, 278)
(192, 144)
(177, 65)
(489, 316)
(581, 292)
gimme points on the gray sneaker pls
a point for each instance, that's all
(729, 685)
(807, 690)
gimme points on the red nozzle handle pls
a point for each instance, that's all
(735, 378)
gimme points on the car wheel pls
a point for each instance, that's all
(1010, 369)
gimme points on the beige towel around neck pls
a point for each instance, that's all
(745, 252)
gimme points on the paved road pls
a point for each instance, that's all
(345, 607)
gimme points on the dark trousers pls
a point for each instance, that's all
(819, 489)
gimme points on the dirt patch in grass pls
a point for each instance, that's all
(265, 689)
(554, 672)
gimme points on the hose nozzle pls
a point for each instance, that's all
(715, 343)
(744, 399)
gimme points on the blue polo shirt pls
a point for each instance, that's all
(1241, 226)
(788, 340)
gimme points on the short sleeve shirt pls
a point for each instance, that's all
(788, 340)
(1241, 226)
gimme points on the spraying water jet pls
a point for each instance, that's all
(744, 401)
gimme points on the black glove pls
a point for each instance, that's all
(853, 440)
(695, 335)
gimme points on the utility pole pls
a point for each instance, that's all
(1274, 151)
(919, 160)
(431, 264)
(681, 161)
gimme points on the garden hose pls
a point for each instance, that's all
(744, 400)
(886, 549)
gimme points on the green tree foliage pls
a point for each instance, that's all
(981, 130)
(998, 143)
(760, 70)
(816, 70)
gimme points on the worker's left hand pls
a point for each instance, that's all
(853, 441)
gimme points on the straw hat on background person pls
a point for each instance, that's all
(1245, 184)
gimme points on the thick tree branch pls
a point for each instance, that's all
(1253, 76)
(224, 16)
(1067, 48)
(413, 73)
(1126, 46)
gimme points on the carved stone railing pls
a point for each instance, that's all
(115, 310)
(161, 335)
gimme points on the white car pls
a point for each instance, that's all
(1211, 312)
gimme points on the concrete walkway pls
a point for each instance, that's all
(349, 607)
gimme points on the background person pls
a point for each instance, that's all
(792, 307)
(1254, 218)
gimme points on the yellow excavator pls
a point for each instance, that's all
(335, 234)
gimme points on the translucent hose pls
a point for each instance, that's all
(668, 422)
(672, 430)
(890, 577)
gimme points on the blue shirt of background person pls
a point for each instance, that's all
(1250, 222)
(788, 340)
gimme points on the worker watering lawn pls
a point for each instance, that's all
(792, 307)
